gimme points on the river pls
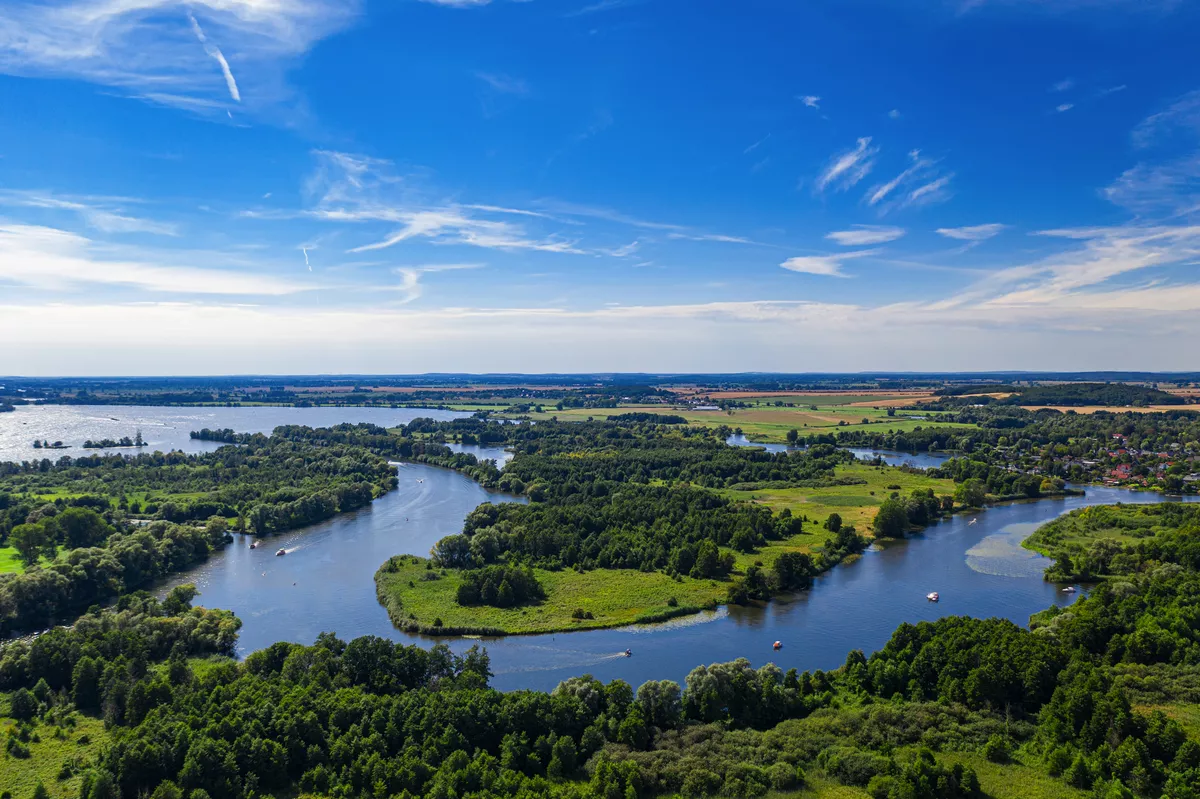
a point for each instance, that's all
(168, 428)
(325, 582)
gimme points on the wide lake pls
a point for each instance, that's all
(325, 582)
(167, 429)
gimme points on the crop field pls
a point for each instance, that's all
(770, 423)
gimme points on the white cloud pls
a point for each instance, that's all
(1182, 117)
(410, 286)
(148, 47)
(1063, 85)
(1167, 178)
(848, 168)
(1063, 107)
(756, 145)
(826, 265)
(505, 84)
(894, 113)
(972, 232)
(713, 237)
(105, 214)
(920, 183)
(51, 259)
(215, 53)
(810, 101)
(865, 235)
(931, 192)
(450, 225)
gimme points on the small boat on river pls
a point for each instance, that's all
(628, 653)
(1070, 589)
(777, 645)
(254, 545)
(971, 522)
(932, 596)
(281, 552)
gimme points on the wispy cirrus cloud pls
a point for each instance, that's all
(810, 101)
(106, 214)
(1166, 179)
(148, 48)
(451, 225)
(1064, 107)
(1066, 84)
(974, 233)
(866, 235)
(411, 288)
(215, 53)
(846, 169)
(920, 183)
(505, 84)
(825, 265)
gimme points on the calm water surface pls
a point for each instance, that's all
(167, 429)
(920, 460)
(325, 582)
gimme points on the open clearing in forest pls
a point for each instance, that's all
(1013, 780)
(856, 504)
(47, 755)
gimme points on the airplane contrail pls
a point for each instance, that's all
(306, 263)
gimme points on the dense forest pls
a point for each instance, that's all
(634, 493)
(117, 523)
(1086, 697)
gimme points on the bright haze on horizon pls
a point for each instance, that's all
(390, 186)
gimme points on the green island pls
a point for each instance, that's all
(1101, 699)
(639, 518)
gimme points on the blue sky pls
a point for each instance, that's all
(285, 186)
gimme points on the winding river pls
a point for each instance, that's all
(325, 582)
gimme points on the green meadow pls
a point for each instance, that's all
(418, 597)
(1013, 780)
(856, 504)
(57, 755)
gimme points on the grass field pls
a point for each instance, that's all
(11, 564)
(1013, 780)
(613, 597)
(1079, 529)
(856, 504)
(77, 746)
(1186, 713)
(768, 423)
